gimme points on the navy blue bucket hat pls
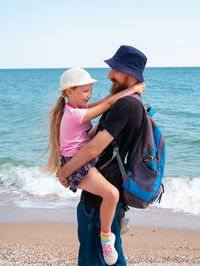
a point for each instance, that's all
(128, 60)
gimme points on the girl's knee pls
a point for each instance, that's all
(113, 195)
(116, 195)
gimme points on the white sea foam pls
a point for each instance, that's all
(182, 195)
(32, 189)
(35, 187)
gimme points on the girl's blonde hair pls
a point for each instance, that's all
(55, 116)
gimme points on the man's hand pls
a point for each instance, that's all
(61, 179)
(88, 152)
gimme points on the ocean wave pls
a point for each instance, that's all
(181, 195)
(30, 188)
(33, 181)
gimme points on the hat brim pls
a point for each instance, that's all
(78, 84)
(117, 65)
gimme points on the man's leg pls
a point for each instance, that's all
(90, 250)
(118, 242)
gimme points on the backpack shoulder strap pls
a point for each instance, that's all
(147, 107)
(133, 149)
(118, 157)
(138, 97)
(116, 147)
(115, 152)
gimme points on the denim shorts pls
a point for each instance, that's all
(77, 176)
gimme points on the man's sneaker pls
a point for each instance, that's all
(124, 227)
(109, 252)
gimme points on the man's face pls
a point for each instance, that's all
(119, 79)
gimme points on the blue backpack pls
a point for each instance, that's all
(143, 173)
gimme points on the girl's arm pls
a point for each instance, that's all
(107, 104)
(92, 132)
(90, 105)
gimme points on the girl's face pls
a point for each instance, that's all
(79, 96)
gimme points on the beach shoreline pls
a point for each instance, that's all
(150, 217)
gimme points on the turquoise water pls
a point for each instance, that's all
(27, 94)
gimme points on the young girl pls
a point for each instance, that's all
(70, 129)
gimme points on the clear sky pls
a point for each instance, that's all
(69, 33)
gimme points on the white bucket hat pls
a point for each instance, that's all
(75, 77)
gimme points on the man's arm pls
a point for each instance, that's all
(90, 151)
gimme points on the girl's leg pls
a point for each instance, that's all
(95, 183)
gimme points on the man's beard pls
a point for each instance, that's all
(117, 87)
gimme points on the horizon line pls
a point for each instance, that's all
(15, 68)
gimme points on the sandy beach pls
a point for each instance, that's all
(23, 242)
(57, 244)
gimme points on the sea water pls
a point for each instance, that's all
(26, 95)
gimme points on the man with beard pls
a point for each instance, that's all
(120, 124)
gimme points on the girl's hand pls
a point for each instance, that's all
(140, 87)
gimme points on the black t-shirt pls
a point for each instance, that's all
(123, 122)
